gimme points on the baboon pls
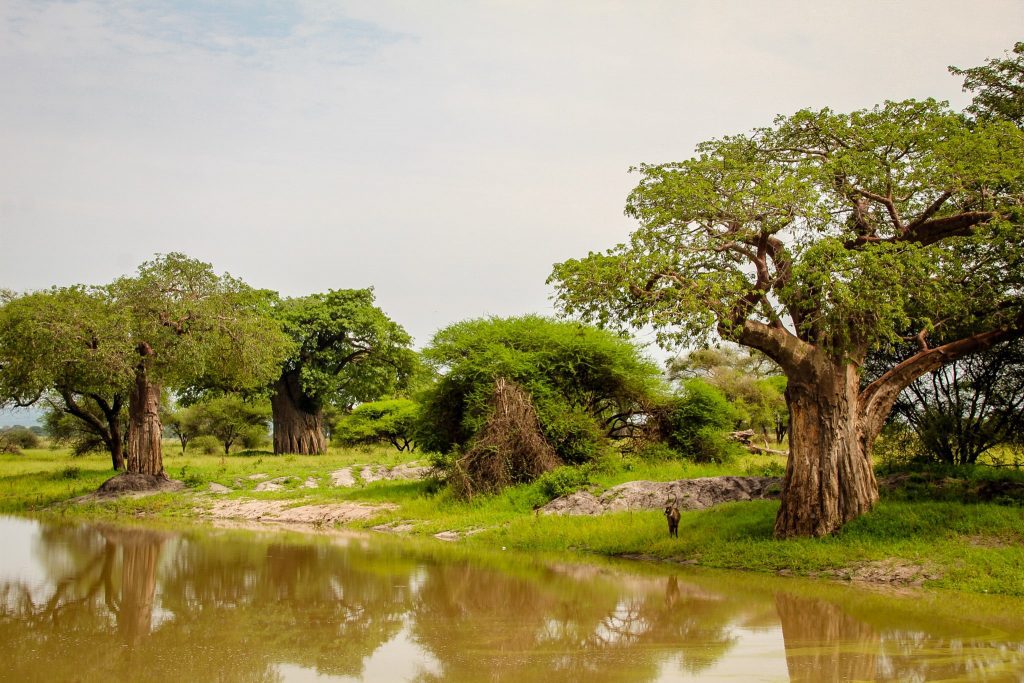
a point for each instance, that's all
(672, 515)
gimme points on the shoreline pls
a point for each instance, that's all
(942, 544)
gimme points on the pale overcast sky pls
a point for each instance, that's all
(446, 153)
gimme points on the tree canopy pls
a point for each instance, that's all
(71, 347)
(346, 351)
(814, 241)
(584, 382)
(998, 87)
(174, 324)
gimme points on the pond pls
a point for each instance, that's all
(99, 602)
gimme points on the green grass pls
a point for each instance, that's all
(975, 547)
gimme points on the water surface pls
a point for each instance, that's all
(82, 602)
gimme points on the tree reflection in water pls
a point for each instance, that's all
(824, 642)
(116, 603)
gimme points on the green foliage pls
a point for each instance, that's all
(696, 421)
(71, 472)
(346, 350)
(854, 226)
(13, 439)
(228, 418)
(751, 382)
(392, 420)
(208, 444)
(562, 481)
(998, 87)
(255, 437)
(582, 381)
(183, 423)
(81, 347)
(200, 328)
(72, 338)
(657, 452)
(968, 407)
(23, 437)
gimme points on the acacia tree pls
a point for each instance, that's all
(965, 408)
(346, 351)
(228, 417)
(189, 326)
(750, 380)
(814, 241)
(69, 347)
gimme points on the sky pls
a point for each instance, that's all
(445, 153)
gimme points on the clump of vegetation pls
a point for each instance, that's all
(562, 481)
(392, 420)
(14, 439)
(586, 385)
(206, 444)
(71, 472)
(695, 423)
(509, 449)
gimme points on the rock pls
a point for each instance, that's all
(218, 488)
(136, 483)
(371, 473)
(394, 527)
(257, 477)
(311, 483)
(409, 471)
(343, 477)
(447, 536)
(278, 511)
(272, 484)
(690, 494)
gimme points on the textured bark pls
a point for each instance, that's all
(145, 451)
(298, 420)
(829, 480)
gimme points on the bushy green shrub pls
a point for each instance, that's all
(13, 439)
(207, 444)
(695, 423)
(579, 378)
(657, 452)
(562, 481)
(255, 437)
(391, 420)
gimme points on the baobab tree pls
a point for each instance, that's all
(346, 350)
(815, 241)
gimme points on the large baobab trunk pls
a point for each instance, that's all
(298, 421)
(829, 480)
(145, 452)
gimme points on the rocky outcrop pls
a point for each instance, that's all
(689, 494)
(135, 483)
(346, 476)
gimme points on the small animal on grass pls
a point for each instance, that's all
(672, 515)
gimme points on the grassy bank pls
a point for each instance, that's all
(976, 547)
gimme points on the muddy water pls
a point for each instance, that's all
(102, 603)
